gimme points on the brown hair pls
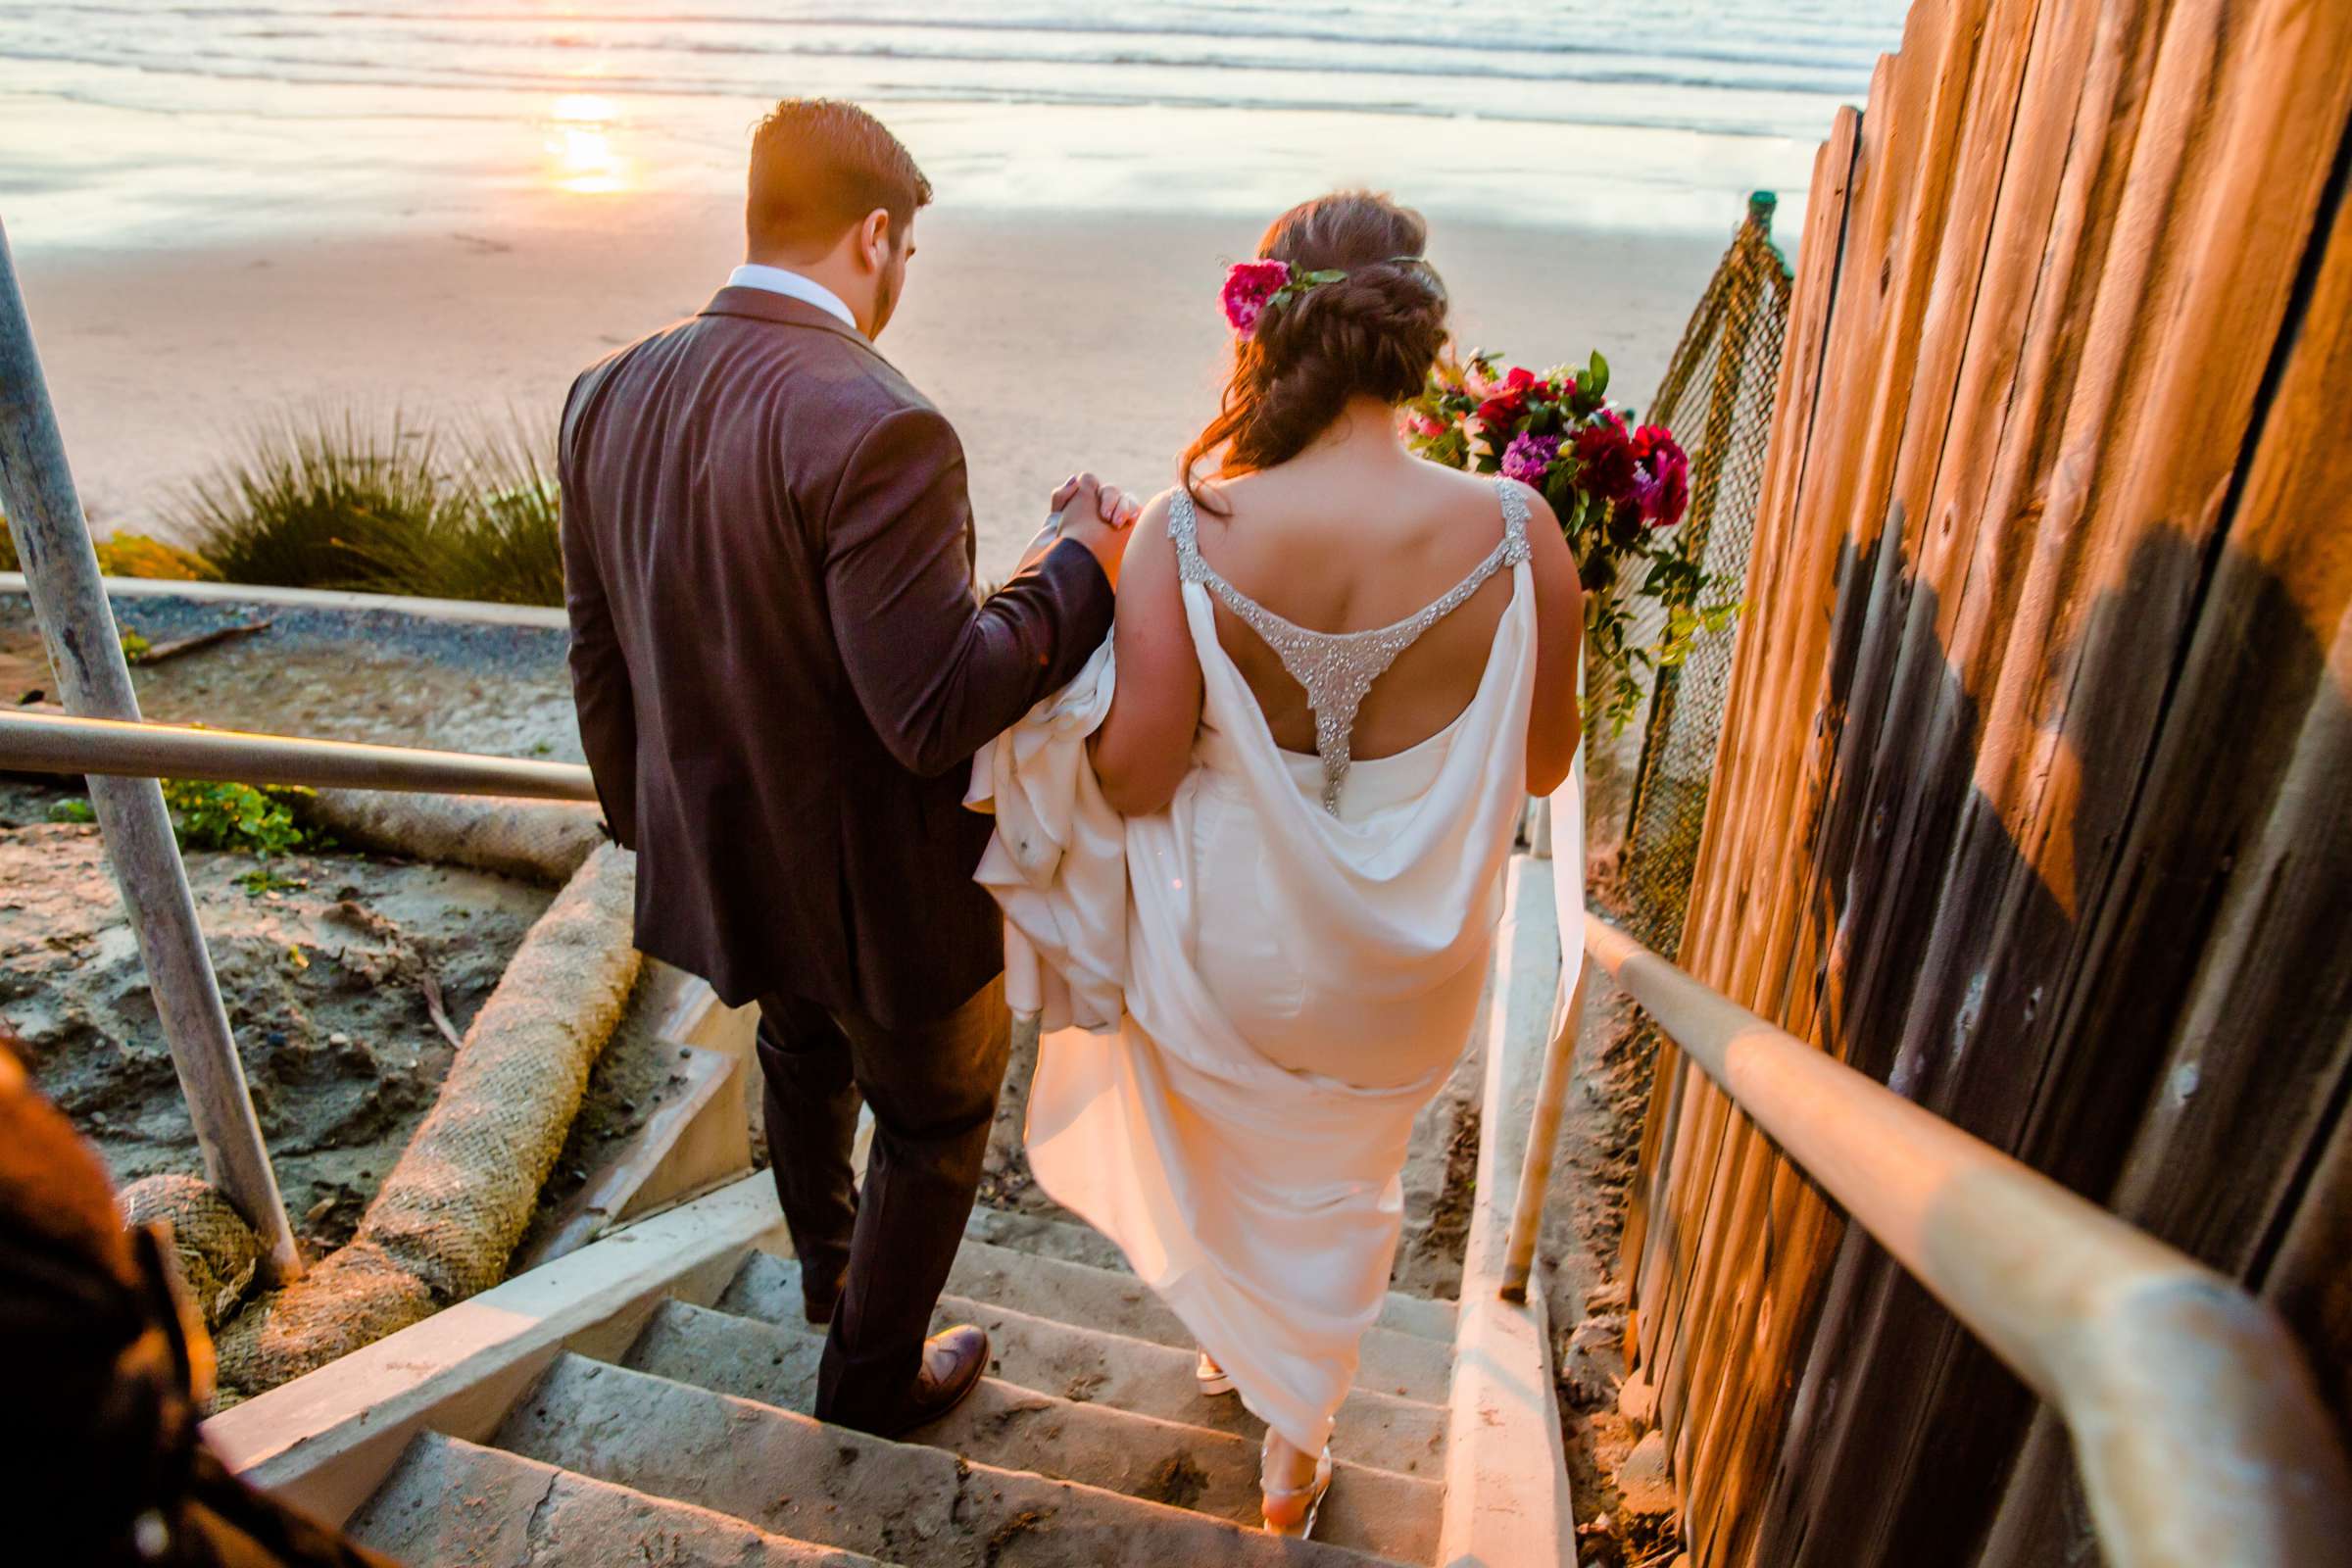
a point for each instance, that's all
(819, 164)
(1372, 333)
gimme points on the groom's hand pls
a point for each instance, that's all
(1098, 516)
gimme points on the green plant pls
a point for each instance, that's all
(317, 505)
(501, 538)
(257, 821)
(134, 646)
(209, 815)
(335, 503)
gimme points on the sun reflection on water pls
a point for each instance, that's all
(579, 144)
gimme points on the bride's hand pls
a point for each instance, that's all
(1098, 516)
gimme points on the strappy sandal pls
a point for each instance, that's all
(1212, 1378)
(1315, 1493)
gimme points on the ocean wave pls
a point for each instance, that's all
(266, 65)
(1470, 46)
(655, 87)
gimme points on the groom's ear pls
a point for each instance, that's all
(875, 239)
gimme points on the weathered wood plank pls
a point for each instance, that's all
(2008, 936)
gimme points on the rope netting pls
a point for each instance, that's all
(1717, 397)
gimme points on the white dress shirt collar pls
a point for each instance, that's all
(779, 280)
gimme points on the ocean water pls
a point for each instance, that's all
(223, 115)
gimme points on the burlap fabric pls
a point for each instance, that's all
(215, 1250)
(447, 1217)
(544, 842)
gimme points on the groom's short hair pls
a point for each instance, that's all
(819, 164)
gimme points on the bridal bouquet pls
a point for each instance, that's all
(1618, 488)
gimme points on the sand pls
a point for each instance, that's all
(324, 981)
(1054, 340)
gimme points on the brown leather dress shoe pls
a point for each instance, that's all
(952, 1361)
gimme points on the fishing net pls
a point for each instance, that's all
(1717, 397)
(445, 1220)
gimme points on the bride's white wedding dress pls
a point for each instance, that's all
(1249, 994)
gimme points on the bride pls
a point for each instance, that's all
(1340, 670)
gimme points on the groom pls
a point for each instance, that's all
(781, 671)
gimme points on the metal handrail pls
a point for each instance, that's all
(61, 742)
(2195, 1420)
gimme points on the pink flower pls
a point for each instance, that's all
(1528, 456)
(1661, 484)
(1248, 287)
(1421, 424)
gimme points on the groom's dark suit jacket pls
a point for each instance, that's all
(780, 666)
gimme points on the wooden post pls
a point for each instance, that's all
(85, 650)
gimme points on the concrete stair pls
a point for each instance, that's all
(1088, 1444)
(513, 1511)
(646, 1399)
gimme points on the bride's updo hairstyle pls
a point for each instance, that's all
(1373, 333)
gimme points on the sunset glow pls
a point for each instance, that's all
(579, 141)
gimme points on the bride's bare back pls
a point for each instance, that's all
(1350, 535)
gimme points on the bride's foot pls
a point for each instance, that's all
(1212, 1378)
(1292, 1486)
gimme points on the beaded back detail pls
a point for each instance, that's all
(1338, 669)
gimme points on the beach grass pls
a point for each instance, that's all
(337, 501)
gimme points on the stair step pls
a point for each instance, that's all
(449, 1501)
(1046, 1237)
(1085, 1365)
(1403, 1364)
(1021, 1429)
(793, 1476)
(1059, 1242)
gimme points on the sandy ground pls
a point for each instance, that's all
(324, 981)
(324, 984)
(1053, 340)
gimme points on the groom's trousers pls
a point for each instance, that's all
(933, 1090)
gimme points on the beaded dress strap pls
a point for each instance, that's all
(1338, 669)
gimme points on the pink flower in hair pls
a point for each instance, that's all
(1248, 287)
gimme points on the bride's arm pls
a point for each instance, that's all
(1554, 727)
(1144, 746)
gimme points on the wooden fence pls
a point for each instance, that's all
(2034, 800)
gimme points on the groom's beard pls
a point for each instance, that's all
(886, 298)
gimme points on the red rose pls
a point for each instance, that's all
(1509, 404)
(1604, 456)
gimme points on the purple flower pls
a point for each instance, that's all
(1528, 456)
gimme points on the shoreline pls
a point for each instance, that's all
(1054, 340)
